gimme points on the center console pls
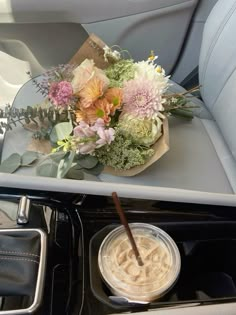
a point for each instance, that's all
(204, 234)
(38, 254)
(49, 246)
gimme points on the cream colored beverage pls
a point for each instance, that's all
(123, 275)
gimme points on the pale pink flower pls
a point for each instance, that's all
(85, 138)
(86, 148)
(98, 124)
(84, 73)
(83, 130)
(141, 98)
(60, 93)
(88, 138)
(106, 136)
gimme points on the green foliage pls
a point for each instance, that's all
(75, 172)
(123, 154)
(42, 133)
(48, 169)
(15, 161)
(28, 158)
(96, 170)
(89, 164)
(68, 165)
(48, 166)
(61, 131)
(11, 164)
(180, 104)
(181, 112)
(65, 164)
(51, 116)
(60, 164)
(87, 161)
(120, 71)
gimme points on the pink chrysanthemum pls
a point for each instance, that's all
(141, 98)
(60, 93)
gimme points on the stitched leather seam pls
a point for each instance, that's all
(214, 41)
(19, 253)
(23, 259)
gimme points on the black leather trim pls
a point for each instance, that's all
(191, 80)
(19, 262)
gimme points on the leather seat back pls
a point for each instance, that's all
(217, 69)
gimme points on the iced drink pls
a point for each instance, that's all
(123, 275)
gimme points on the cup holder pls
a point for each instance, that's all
(99, 289)
(22, 267)
(208, 260)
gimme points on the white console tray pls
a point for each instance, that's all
(143, 186)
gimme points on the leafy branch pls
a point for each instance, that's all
(37, 115)
(42, 88)
(176, 104)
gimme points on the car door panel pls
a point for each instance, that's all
(135, 25)
(162, 30)
(82, 11)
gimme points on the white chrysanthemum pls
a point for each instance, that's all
(109, 53)
(152, 72)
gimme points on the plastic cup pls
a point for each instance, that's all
(121, 272)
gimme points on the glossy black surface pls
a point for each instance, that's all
(63, 234)
(200, 231)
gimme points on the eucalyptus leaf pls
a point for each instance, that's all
(77, 166)
(95, 170)
(65, 164)
(75, 173)
(47, 169)
(60, 131)
(87, 161)
(11, 164)
(28, 158)
(57, 156)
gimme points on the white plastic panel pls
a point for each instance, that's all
(135, 25)
(46, 44)
(123, 190)
(162, 30)
(82, 11)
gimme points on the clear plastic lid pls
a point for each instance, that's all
(123, 275)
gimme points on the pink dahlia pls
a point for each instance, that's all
(142, 98)
(60, 93)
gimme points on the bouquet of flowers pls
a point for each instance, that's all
(95, 118)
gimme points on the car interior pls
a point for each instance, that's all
(51, 229)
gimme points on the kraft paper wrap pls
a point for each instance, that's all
(92, 48)
(160, 148)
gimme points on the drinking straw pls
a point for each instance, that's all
(124, 221)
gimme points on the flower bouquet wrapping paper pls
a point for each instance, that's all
(103, 112)
(93, 48)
